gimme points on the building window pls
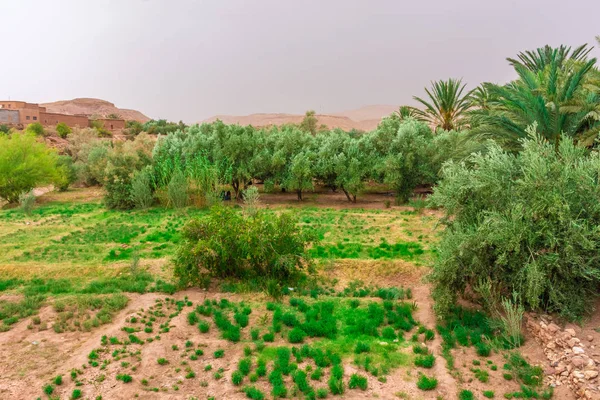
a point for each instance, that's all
(45, 121)
(27, 118)
(111, 126)
(35, 118)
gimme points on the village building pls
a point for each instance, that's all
(21, 113)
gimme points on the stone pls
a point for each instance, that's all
(578, 361)
(570, 331)
(573, 342)
(590, 374)
(578, 375)
(578, 350)
(553, 328)
(590, 338)
(549, 371)
(551, 345)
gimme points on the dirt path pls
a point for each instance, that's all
(447, 384)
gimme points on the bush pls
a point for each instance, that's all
(36, 128)
(123, 162)
(229, 244)
(141, 189)
(25, 164)
(357, 381)
(63, 130)
(296, 335)
(526, 222)
(425, 361)
(236, 378)
(177, 190)
(465, 395)
(426, 383)
(26, 202)
(66, 173)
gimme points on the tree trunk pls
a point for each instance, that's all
(236, 188)
(299, 193)
(351, 198)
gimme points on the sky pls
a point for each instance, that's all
(189, 60)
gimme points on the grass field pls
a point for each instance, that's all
(94, 287)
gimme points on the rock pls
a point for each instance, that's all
(578, 375)
(590, 374)
(551, 345)
(573, 342)
(578, 361)
(560, 368)
(578, 350)
(553, 328)
(590, 338)
(549, 371)
(570, 331)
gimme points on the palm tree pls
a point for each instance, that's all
(555, 89)
(405, 112)
(539, 59)
(447, 106)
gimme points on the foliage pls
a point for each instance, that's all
(526, 222)
(63, 130)
(27, 201)
(98, 126)
(309, 122)
(142, 194)
(35, 128)
(447, 106)
(66, 173)
(300, 175)
(555, 88)
(123, 161)
(177, 190)
(24, 164)
(229, 244)
(426, 383)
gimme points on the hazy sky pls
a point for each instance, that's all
(189, 60)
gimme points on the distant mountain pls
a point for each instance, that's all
(88, 106)
(364, 118)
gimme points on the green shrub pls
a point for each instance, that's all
(124, 378)
(466, 395)
(25, 164)
(162, 361)
(321, 393)
(357, 381)
(253, 393)
(76, 394)
(177, 190)
(296, 335)
(26, 202)
(203, 326)
(244, 366)
(63, 130)
(57, 380)
(36, 128)
(488, 393)
(425, 361)
(219, 353)
(507, 229)
(48, 389)
(229, 244)
(237, 377)
(426, 383)
(142, 194)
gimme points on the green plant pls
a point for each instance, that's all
(57, 380)
(48, 389)
(357, 381)
(426, 383)
(141, 189)
(25, 164)
(35, 128)
(253, 393)
(76, 394)
(63, 130)
(244, 366)
(466, 395)
(162, 361)
(237, 377)
(504, 193)
(124, 378)
(447, 106)
(26, 202)
(203, 326)
(228, 244)
(425, 361)
(488, 394)
(296, 335)
(177, 190)
(219, 353)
